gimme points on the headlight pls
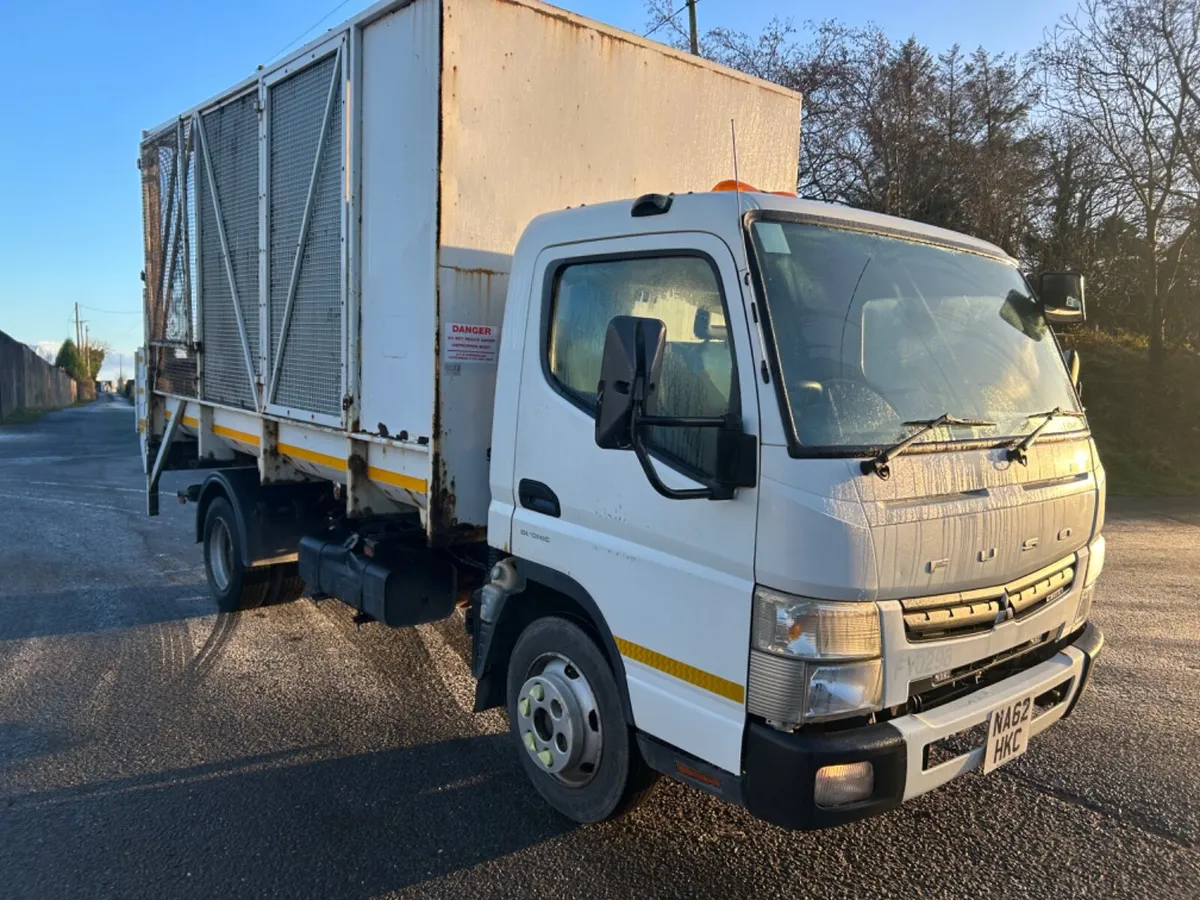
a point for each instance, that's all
(1095, 561)
(814, 629)
(813, 660)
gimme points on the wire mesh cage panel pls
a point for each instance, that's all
(305, 215)
(167, 166)
(227, 202)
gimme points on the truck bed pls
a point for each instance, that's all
(328, 242)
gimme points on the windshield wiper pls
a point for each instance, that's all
(1018, 451)
(879, 464)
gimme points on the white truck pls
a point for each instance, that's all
(794, 503)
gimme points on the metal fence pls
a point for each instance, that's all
(305, 111)
(169, 221)
(244, 218)
(228, 201)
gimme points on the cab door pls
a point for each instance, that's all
(673, 578)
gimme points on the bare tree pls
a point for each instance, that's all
(1119, 74)
(1085, 155)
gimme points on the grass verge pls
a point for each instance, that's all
(23, 416)
(1146, 424)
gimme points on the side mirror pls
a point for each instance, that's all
(1061, 294)
(627, 400)
(629, 374)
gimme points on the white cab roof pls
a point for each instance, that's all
(691, 211)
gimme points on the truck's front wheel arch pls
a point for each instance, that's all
(548, 592)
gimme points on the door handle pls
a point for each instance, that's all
(538, 497)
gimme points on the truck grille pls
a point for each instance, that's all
(968, 612)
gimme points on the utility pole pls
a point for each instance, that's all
(691, 5)
(78, 333)
(87, 355)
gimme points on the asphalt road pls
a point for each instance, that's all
(151, 748)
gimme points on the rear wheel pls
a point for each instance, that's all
(233, 585)
(286, 584)
(565, 713)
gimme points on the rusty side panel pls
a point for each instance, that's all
(472, 288)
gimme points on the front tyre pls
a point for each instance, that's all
(564, 711)
(231, 582)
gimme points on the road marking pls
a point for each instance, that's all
(456, 677)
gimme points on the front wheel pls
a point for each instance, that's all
(564, 711)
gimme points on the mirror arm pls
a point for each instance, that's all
(685, 421)
(643, 457)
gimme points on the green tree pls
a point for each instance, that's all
(82, 365)
(94, 357)
(71, 361)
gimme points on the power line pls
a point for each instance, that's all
(112, 312)
(302, 34)
(665, 19)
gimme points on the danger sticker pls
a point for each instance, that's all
(470, 343)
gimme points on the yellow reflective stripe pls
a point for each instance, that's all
(187, 420)
(730, 690)
(244, 436)
(408, 482)
(312, 456)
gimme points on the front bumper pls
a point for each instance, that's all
(780, 768)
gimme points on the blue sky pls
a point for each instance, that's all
(82, 79)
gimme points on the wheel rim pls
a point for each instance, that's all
(220, 554)
(559, 720)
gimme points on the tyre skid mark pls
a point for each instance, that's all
(452, 671)
(214, 648)
(1103, 809)
(456, 677)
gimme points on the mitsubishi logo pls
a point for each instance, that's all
(1005, 612)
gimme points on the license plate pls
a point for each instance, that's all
(1008, 732)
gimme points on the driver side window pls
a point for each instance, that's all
(698, 373)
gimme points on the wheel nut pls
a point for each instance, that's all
(529, 741)
(523, 706)
(537, 692)
(546, 757)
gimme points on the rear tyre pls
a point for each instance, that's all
(232, 584)
(286, 584)
(564, 713)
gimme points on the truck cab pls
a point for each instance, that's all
(816, 483)
(791, 502)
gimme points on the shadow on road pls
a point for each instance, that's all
(92, 609)
(213, 829)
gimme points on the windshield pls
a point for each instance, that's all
(872, 332)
